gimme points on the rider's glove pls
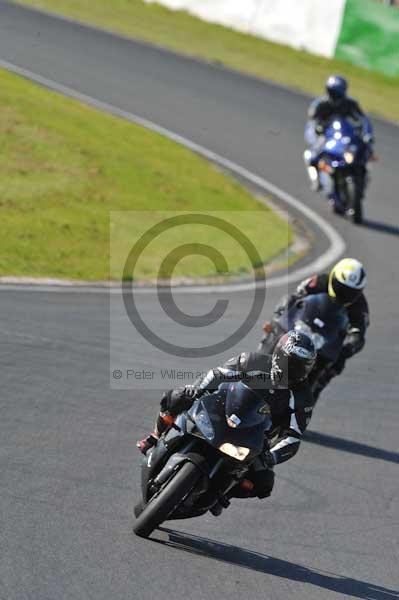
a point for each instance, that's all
(192, 392)
(175, 401)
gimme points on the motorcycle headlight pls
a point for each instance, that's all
(237, 452)
(204, 424)
(349, 157)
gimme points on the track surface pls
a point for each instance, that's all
(68, 466)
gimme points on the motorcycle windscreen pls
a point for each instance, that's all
(244, 407)
(341, 129)
(326, 320)
(342, 140)
(210, 416)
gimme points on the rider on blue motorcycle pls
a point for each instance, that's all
(281, 379)
(321, 110)
(345, 284)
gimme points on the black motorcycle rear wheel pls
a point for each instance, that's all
(354, 204)
(357, 213)
(164, 502)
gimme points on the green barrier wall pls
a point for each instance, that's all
(369, 36)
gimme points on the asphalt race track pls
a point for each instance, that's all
(69, 469)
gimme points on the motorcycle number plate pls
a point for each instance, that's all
(318, 322)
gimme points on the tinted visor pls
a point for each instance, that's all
(336, 94)
(292, 369)
(344, 294)
(299, 368)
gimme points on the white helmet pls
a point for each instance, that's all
(346, 281)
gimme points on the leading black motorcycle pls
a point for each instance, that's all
(202, 456)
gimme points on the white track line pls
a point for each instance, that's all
(335, 250)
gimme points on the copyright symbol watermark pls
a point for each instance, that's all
(166, 262)
(164, 288)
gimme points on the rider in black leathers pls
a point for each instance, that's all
(345, 284)
(281, 379)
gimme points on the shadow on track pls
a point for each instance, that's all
(331, 441)
(350, 588)
(383, 227)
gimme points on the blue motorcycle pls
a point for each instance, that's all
(337, 163)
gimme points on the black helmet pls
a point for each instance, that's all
(336, 87)
(293, 358)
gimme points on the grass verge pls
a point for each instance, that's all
(66, 166)
(188, 35)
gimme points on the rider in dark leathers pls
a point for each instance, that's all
(336, 102)
(281, 379)
(349, 293)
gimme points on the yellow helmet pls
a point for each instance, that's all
(346, 281)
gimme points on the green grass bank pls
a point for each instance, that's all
(66, 166)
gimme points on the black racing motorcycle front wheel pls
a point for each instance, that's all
(167, 499)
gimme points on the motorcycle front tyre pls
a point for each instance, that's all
(163, 503)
